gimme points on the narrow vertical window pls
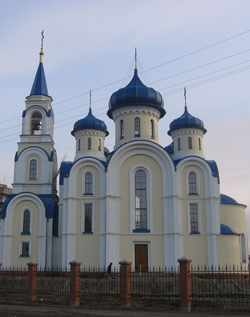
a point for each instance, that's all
(199, 140)
(137, 127)
(26, 222)
(89, 143)
(79, 145)
(88, 218)
(99, 145)
(88, 183)
(140, 200)
(243, 248)
(192, 183)
(25, 249)
(189, 143)
(179, 144)
(121, 129)
(194, 228)
(33, 169)
(152, 129)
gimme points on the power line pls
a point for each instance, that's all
(165, 94)
(171, 61)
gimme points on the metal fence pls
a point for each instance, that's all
(222, 285)
(13, 282)
(98, 287)
(53, 284)
(158, 285)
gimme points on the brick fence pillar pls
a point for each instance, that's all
(185, 284)
(74, 283)
(125, 283)
(32, 280)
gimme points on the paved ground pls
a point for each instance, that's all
(31, 311)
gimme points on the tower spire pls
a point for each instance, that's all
(136, 69)
(185, 97)
(41, 53)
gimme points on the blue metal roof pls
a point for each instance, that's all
(186, 121)
(224, 199)
(170, 148)
(136, 93)
(90, 122)
(49, 202)
(226, 230)
(39, 86)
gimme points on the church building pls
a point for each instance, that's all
(142, 202)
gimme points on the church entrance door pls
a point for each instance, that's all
(141, 257)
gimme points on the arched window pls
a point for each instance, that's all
(121, 129)
(33, 169)
(189, 143)
(179, 144)
(140, 200)
(192, 183)
(36, 123)
(26, 222)
(88, 184)
(152, 129)
(99, 145)
(89, 143)
(137, 127)
(199, 140)
(79, 145)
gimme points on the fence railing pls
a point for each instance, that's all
(225, 285)
(183, 286)
(158, 285)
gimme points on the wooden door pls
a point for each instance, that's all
(141, 257)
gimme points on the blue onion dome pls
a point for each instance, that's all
(186, 121)
(136, 93)
(90, 122)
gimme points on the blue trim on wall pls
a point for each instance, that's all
(141, 230)
(48, 201)
(50, 157)
(66, 167)
(212, 164)
(48, 113)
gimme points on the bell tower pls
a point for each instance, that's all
(36, 160)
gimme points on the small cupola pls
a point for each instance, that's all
(136, 110)
(187, 132)
(90, 134)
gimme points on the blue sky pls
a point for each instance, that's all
(90, 45)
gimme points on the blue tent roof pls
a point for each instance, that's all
(136, 93)
(90, 122)
(186, 121)
(39, 86)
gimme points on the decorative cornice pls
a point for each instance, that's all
(121, 112)
(187, 131)
(90, 133)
